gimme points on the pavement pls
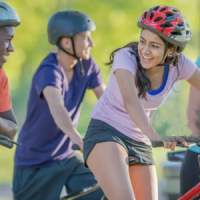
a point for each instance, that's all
(5, 192)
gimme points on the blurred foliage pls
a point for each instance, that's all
(116, 22)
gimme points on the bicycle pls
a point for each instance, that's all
(8, 143)
(194, 192)
(190, 195)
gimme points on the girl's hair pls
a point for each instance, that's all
(142, 81)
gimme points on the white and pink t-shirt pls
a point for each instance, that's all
(110, 108)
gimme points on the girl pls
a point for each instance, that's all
(117, 146)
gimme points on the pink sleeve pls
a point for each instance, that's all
(186, 68)
(125, 59)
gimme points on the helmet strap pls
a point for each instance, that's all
(72, 54)
(65, 51)
(82, 71)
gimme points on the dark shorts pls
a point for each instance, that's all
(46, 182)
(99, 131)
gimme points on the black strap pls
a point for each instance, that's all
(72, 54)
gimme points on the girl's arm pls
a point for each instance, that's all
(132, 104)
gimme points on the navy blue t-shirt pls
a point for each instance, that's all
(40, 138)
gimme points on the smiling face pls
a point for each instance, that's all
(151, 49)
(83, 44)
(6, 35)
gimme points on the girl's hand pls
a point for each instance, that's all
(171, 142)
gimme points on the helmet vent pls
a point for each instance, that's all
(151, 16)
(158, 19)
(180, 26)
(163, 9)
(145, 14)
(187, 32)
(176, 33)
(166, 25)
(169, 14)
(174, 10)
(156, 8)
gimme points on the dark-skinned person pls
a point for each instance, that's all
(8, 21)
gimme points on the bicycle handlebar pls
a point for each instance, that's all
(161, 144)
(7, 142)
(188, 139)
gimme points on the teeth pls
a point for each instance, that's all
(146, 58)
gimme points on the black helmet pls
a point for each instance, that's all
(68, 23)
(8, 16)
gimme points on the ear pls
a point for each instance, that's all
(66, 42)
(171, 52)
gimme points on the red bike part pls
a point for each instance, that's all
(192, 193)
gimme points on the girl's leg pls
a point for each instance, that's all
(144, 182)
(109, 163)
(81, 178)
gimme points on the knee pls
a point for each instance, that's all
(121, 192)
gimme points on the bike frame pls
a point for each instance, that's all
(194, 192)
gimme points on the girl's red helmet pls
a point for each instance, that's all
(168, 23)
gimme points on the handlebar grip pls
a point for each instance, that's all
(6, 143)
(157, 143)
(160, 143)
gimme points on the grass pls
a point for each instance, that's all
(6, 165)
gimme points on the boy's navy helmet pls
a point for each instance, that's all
(67, 24)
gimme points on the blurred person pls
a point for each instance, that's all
(8, 21)
(45, 161)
